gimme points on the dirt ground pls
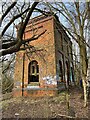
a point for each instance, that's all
(46, 107)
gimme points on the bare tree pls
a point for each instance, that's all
(13, 12)
(76, 14)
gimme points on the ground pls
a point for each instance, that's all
(46, 107)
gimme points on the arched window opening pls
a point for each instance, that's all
(33, 72)
(67, 73)
(61, 71)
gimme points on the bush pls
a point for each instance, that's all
(7, 84)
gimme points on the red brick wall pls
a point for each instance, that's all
(64, 54)
(44, 54)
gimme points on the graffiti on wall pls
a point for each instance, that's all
(51, 80)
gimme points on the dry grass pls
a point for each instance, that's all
(44, 107)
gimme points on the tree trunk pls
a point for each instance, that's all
(83, 60)
(84, 90)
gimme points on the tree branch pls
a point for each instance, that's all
(12, 20)
(33, 38)
(8, 10)
(9, 44)
(23, 26)
(20, 32)
(7, 67)
(66, 14)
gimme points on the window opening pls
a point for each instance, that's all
(61, 71)
(33, 72)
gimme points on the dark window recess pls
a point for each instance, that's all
(67, 72)
(33, 69)
(61, 71)
(33, 72)
(37, 69)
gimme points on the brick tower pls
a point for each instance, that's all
(47, 62)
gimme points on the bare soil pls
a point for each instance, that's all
(46, 107)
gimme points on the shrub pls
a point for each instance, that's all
(7, 84)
